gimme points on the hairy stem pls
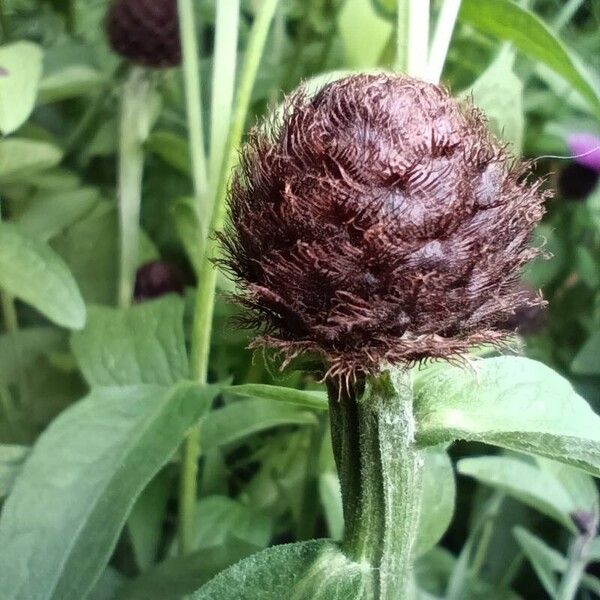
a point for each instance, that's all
(191, 77)
(207, 276)
(134, 128)
(381, 475)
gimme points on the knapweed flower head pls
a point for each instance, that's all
(145, 32)
(378, 221)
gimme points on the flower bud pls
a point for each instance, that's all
(145, 32)
(379, 222)
(157, 278)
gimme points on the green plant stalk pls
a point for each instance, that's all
(571, 580)
(223, 81)
(136, 113)
(567, 12)
(402, 36)
(418, 37)
(191, 76)
(207, 276)
(381, 476)
(309, 508)
(441, 39)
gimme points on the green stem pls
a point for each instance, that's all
(223, 81)
(134, 128)
(441, 39)
(309, 508)
(381, 475)
(566, 13)
(418, 37)
(207, 276)
(402, 9)
(567, 590)
(191, 75)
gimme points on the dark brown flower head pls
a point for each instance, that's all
(379, 221)
(157, 278)
(145, 32)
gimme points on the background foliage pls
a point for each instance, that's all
(101, 488)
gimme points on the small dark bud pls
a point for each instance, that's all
(145, 32)
(157, 278)
(530, 317)
(379, 221)
(586, 522)
(577, 182)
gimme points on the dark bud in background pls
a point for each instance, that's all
(379, 221)
(577, 182)
(530, 318)
(157, 278)
(145, 32)
(586, 522)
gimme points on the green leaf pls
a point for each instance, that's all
(304, 398)
(499, 93)
(146, 521)
(62, 520)
(176, 577)
(34, 273)
(11, 463)
(185, 215)
(88, 247)
(330, 494)
(526, 482)
(141, 344)
(48, 214)
(514, 403)
(20, 157)
(236, 421)
(439, 495)
(219, 519)
(20, 72)
(172, 148)
(587, 360)
(70, 81)
(317, 570)
(21, 349)
(108, 586)
(544, 560)
(363, 32)
(508, 21)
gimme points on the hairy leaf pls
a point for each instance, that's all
(514, 403)
(61, 522)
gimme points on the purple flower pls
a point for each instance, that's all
(588, 145)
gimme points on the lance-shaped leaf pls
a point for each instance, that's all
(514, 403)
(61, 522)
(34, 273)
